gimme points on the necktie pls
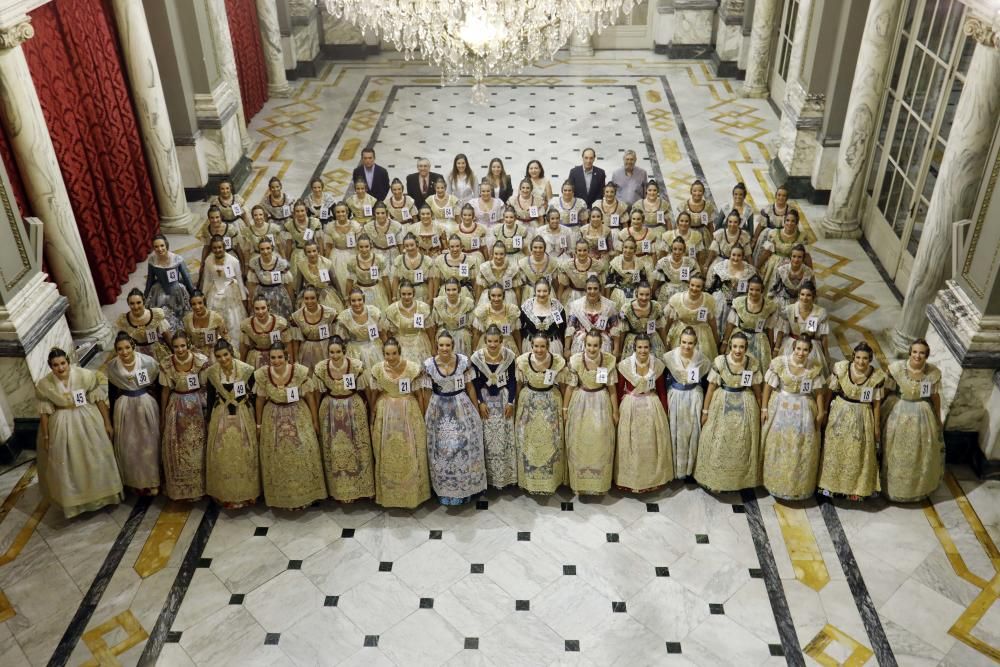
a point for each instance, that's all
(423, 184)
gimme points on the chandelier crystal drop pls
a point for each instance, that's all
(479, 38)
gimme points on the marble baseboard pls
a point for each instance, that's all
(799, 187)
(727, 69)
(307, 68)
(348, 51)
(237, 175)
(685, 51)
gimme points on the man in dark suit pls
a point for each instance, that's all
(587, 180)
(374, 175)
(420, 185)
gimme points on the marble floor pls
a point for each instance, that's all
(674, 577)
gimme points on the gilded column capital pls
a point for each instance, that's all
(14, 35)
(982, 30)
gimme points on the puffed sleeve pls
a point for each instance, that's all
(772, 379)
(570, 377)
(833, 383)
(294, 332)
(714, 377)
(97, 389)
(45, 406)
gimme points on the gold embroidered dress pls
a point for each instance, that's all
(183, 444)
(913, 440)
(645, 459)
(362, 338)
(203, 339)
(343, 248)
(77, 471)
(496, 388)
(531, 273)
(371, 283)
(290, 463)
(508, 321)
(419, 275)
(313, 332)
(457, 320)
(509, 277)
(848, 465)
(780, 247)
(729, 456)
(698, 316)
(415, 344)
(790, 437)
(319, 276)
(573, 277)
(674, 277)
(590, 430)
(650, 324)
(399, 440)
(147, 335)
(257, 338)
(362, 210)
(299, 237)
(754, 325)
(232, 470)
(581, 321)
(464, 269)
(344, 437)
(538, 425)
(793, 325)
(386, 240)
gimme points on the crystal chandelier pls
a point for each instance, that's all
(479, 38)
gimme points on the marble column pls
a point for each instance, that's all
(227, 61)
(728, 38)
(765, 17)
(154, 123)
(843, 213)
(958, 181)
(581, 45)
(24, 123)
(270, 37)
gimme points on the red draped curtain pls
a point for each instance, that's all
(249, 54)
(77, 68)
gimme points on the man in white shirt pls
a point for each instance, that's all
(630, 179)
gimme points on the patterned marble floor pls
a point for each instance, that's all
(676, 577)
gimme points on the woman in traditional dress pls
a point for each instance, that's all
(204, 327)
(528, 207)
(429, 234)
(342, 237)
(231, 205)
(298, 231)
(729, 456)
(182, 416)
(512, 234)
(231, 233)
(401, 206)
(645, 241)
(688, 369)
(444, 206)
(593, 313)
(543, 315)
(386, 234)
(804, 317)
(416, 268)
(232, 469)
(725, 239)
(222, 284)
(538, 420)
(276, 203)
(742, 207)
(312, 328)
(645, 459)
(453, 312)
(590, 408)
(849, 464)
(754, 316)
(673, 272)
(643, 316)
(575, 271)
(360, 327)
(614, 211)
(693, 308)
(486, 207)
(697, 248)
(777, 245)
(316, 272)
(791, 419)
(536, 265)
(148, 327)
(168, 283)
(472, 234)
(540, 185)
(260, 228)
(320, 202)
(369, 272)
(505, 316)
(569, 206)
(456, 264)
(700, 210)
(726, 280)
(398, 433)
(655, 209)
(454, 428)
(411, 323)
(361, 204)
(344, 435)
(500, 271)
(260, 331)
(771, 217)
(496, 392)
(558, 237)
(135, 416)
(461, 181)
(77, 471)
(913, 439)
(598, 236)
(270, 278)
(291, 466)
(787, 279)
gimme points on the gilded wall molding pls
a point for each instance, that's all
(15, 35)
(981, 30)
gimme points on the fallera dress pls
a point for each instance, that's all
(685, 397)
(321, 277)
(604, 320)
(645, 459)
(456, 319)
(414, 342)
(698, 316)
(538, 429)
(362, 338)
(272, 284)
(344, 438)
(399, 439)
(135, 416)
(77, 471)
(496, 386)
(232, 468)
(650, 324)
(754, 321)
(183, 444)
(590, 430)
(203, 339)
(258, 338)
(169, 287)
(147, 333)
(912, 442)
(370, 282)
(313, 332)
(225, 293)
(793, 325)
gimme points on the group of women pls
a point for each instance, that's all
(367, 349)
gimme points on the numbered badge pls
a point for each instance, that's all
(366, 210)
(474, 243)
(435, 241)
(704, 217)
(746, 378)
(647, 246)
(228, 271)
(573, 217)
(269, 237)
(702, 314)
(405, 214)
(505, 329)
(602, 375)
(812, 324)
(925, 389)
(533, 211)
(418, 321)
(508, 283)
(349, 381)
(494, 216)
(324, 212)
(286, 211)
(172, 275)
(616, 220)
(557, 317)
(373, 273)
(518, 242)
(692, 376)
(459, 383)
(807, 386)
(390, 240)
(192, 382)
(463, 270)
(404, 386)
(227, 242)
(685, 273)
(79, 397)
(151, 337)
(462, 321)
(291, 394)
(602, 323)
(211, 337)
(449, 212)
(237, 209)
(660, 217)
(418, 277)
(692, 252)
(562, 242)
(324, 275)
(372, 332)
(602, 243)
(650, 327)
(867, 394)
(323, 331)
(274, 337)
(239, 389)
(741, 287)
(549, 378)
(351, 240)
(759, 327)
(142, 377)
(275, 277)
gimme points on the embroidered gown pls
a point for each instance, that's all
(290, 462)
(272, 284)
(623, 281)
(371, 283)
(574, 279)
(552, 326)
(508, 321)
(225, 292)
(419, 275)
(793, 326)
(312, 231)
(362, 338)
(169, 287)
(361, 210)
(203, 339)
(754, 326)
(685, 382)
(465, 272)
(344, 243)
(183, 444)
(321, 277)
(581, 322)
(399, 440)
(147, 335)
(849, 465)
(784, 289)
(414, 342)
(77, 471)
(538, 426)
(726, 284)
(232, 469)
(645, 459)
(344, 438)
(790, 437)
(590, 430)
(781, 251)
(674, 277)
(913, 441)
(258, 338)
(530, 275)
(729, 455)
(313, 332)
(509, 278)
(454, 434)
(698, 317)
(650, 324)
(496, 386)
(135, 416)
(385, 243)
(456, 320)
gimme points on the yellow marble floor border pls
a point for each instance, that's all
(15, 493)
(816, 649)
(162, 539)
(27, 530)
(105, 655)
(807, 561)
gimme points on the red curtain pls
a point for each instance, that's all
(249, 54)
(78, 71)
